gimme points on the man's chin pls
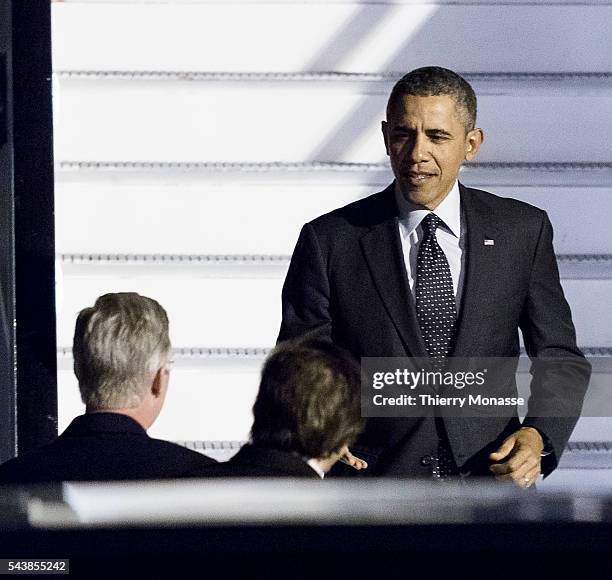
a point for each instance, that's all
(419, 196)
(425, 196)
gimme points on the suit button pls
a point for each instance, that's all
(426, 460)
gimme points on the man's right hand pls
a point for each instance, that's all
(355, 462)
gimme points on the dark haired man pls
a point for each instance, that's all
(306, 414)
(431, 268)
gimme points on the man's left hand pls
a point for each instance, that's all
(522, 454)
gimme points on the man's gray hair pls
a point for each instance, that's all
(119, 344)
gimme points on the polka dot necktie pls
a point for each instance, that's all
(437, 314)
(435, 297)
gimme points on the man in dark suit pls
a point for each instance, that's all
(306, 414)
(431, 268)
(122, 361)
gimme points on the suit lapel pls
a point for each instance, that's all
(383, 253)
(480, 263)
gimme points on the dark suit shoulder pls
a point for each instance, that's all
(29, 467)
(180, 452)
(506, 205)
(9, 470)
(363, 213)
(517, 219)
(103, 456)
(252, 461)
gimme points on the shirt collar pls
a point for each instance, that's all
(449, 211)
(315, 465)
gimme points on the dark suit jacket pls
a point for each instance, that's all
(252, 461)
(103, 446)
(347, 281)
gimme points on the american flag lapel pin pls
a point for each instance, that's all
(489, 242)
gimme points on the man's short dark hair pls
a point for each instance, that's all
(308, 400)
(434, 81)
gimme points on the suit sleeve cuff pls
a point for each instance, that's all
(548, 448)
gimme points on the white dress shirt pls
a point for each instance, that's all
(315, 465)
(451, 236)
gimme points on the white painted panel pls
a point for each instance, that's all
(246, 312)
(202, 311)
(215, 404)
(69, 403)
(350, 37)
(545, 129)
(593, 429)
(207, 404)
(118, 120)
(188, 220)
(591, 310)
(187, 216)
(580, 216)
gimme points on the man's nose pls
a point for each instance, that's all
(417, 150)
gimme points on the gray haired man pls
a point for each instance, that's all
(122, 361)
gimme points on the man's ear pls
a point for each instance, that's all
(158, 384)
(385, 127)
(473, 141)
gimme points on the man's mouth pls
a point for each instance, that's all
(417, 177)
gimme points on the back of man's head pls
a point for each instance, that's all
(435, 81)
(309, 400)
(119, 344)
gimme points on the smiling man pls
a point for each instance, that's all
(430, 268)
(427, 139)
